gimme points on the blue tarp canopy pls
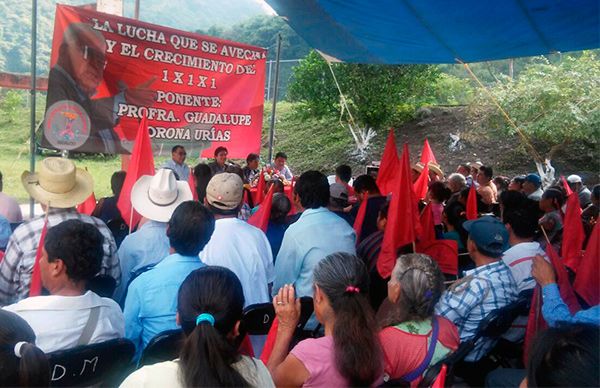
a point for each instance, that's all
(442, 31)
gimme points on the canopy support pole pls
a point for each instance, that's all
(32, 105)
(276, 86)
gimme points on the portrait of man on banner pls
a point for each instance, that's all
(74, 120)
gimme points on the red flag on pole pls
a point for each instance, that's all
(270, 342)
(444, 252)
(536, 320)
(260, 188)
(388, 169)
(427, 154)
(427, 224)
(472, 203)
(440, 380)
(568, 190)
(586, 281)
(260, 218)
(142, 163)
(421, 185)
(35, 289)
(192, 183)
(87, 206)
(360, 217)
(573, 234)
(403, 226)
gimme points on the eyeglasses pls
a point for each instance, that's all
(94, 57)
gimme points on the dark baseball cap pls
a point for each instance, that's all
(534, 178)
(489, 234)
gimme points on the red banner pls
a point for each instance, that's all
(108, 71)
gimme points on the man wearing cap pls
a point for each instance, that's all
(487, 287)
(177, 163)
(155, 198)
(235, 244)
(474, 166)
(576, 184)
(151, 302)
(59, 186)
(532, 187)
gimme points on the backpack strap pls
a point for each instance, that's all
(90, 326)
(416, 373)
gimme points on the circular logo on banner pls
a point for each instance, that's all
(66, 125)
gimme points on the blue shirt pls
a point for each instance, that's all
(182, 170)
(148, 245)
(151, 303)
(468, 300)
(316, 234)
(555, 310)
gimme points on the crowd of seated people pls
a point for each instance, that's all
(194, 267)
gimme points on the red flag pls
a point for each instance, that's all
(427, 224)
(260, 188)
(586, 282)
(566, 185)
(87, 206)
(403, 226)
(35, 289)
(260, 218)
(444, 252)
(192, 183)
(388, 169)
(289, 191)
(142, 163)
(270, 342)
(472, 203)
(536, 320)
(427, 154)
(360, 217)
(421, 185)
(440, 380)
(573, 234)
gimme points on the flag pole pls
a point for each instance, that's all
(130, 218)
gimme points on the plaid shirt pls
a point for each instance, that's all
(17, 266)
(470, 299)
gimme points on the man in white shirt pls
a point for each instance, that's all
(236, 244)
(532, 187)
(280, 165)
(177, 163)
(70, 315)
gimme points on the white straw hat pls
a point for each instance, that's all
(156, 197)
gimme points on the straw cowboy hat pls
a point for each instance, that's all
(156, 197)
(436, 169)
(418, 167)
(58, 183)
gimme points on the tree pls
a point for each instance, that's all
(377, 95)
(552, 103)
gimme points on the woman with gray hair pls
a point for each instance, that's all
(413, 337)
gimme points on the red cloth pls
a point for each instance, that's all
(192, 183)
(403, 351)
(427, 224)
(260, 218)
(444, 252)
(403, 226)
(289, 191)
(270, 342)
(573, 234)
(536, 321)
(35, 289)
(586, 281)
(260, 189)
(472, 203)
(388, 169)
(142, 163)
(246, 347)
(87, 206)
(427, 154)
(421, 185)
(440, 380)
(566, 185)
(360, 217)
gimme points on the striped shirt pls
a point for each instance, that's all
(17, 266)
(519, 259)
(470, 299)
